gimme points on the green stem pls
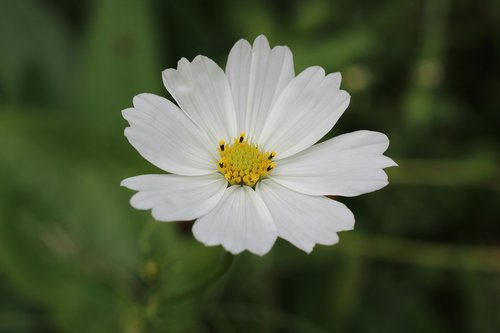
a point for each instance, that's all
(418, 253)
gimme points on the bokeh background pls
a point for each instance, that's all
(75, 257)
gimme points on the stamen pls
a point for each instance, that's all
(242, 163)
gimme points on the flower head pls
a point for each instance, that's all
(241, 154)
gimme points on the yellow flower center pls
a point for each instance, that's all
(242, 163)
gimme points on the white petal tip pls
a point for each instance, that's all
(155, 215)
(241, 44)
(234, 252)
(125, 183)
(260, 252)
(389, 162)
(166, 72)
(126, 131)
(346, 96)
(133, 202)
(317, 69)
(136, 99)
(198, 58)
(348, 224)
(261, 39)
(126, 112)
(182, 61)
(307, 250)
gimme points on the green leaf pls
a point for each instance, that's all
(118, 61)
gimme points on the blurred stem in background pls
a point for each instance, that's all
(474, 172)
(421, 105)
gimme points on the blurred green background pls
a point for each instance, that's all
(75, 257)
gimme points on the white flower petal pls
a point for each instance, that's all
(241, 221)
(167, 138)
(307, 109)
(257, 77)
(202, 91)
(305, 220)
(347, 165)
(176, 198)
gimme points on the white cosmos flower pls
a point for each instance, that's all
(241, 154)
